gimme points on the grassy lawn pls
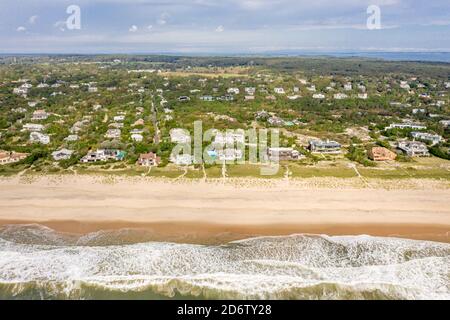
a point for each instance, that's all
(299, 171)
(249, 170)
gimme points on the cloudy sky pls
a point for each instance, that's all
(222, 26)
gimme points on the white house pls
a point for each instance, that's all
(71, 138)
(318, 96)
(414, 148)
(181, 159)
(33, 127)
(340, 96)
(229, 138)
(279, 91)
(39, 115)
(406, 126)
(137, 137)
(233, 91)
(62, 154)
(180, 136)
(113, 133)
(433, 138)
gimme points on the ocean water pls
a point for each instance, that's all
(39, 263)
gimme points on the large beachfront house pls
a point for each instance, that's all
(283, 154)
(37, 137)
(7, 157)
(414, 148)
(62, 154)
(324, 147)
(40, 115)
(103, 155)
(433, 138)
(148, 160)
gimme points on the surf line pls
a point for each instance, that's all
(194, 311)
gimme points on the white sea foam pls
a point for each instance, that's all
(294, 267)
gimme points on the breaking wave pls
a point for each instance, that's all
(39, 263)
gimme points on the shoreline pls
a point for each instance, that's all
(218, 212)
(218, 234)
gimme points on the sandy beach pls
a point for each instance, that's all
(217, 211)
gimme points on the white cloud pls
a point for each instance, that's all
(21, 29)
(163, 19)
(150, 27)
(220, 29)
(133, 28)
(33, 19)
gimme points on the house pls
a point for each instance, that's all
(139, 122)
(207, 98)
(229, 138)
(348, 86)
(381, 154)
(279, 91)
(137, 137)
(181, 159)
(180, 136)
(39, 115)
(433, 138)
(318, 96)
(233, 91)
(113, 134)
(362, 96)
(417, 110)
(275, 121)
(71, 138)
(37, 137)
(7, 157)
(445, 123)
(294, 97)
(227, 97)
(262, 115)
(33, 127)
(324, 147)
(148, 160)
(97, 107)
(414, 148)
(229, 155)
(283, 154)
(92, 89)
(103, 155)
(249, 98)
(250, 91)
(340, 96)
(62, 154)
(119, 118)
(406, 126)
(404, 85)
(184, 99)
